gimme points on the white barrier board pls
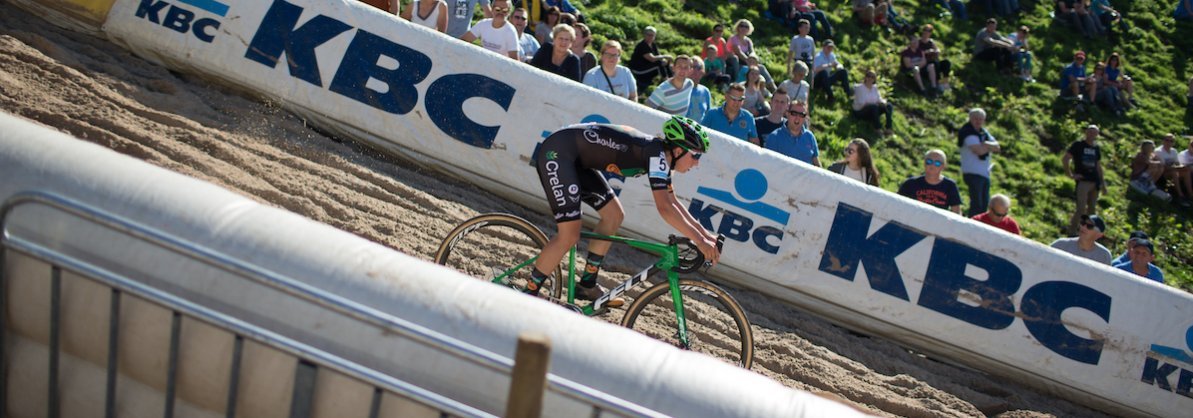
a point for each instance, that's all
(860, 255)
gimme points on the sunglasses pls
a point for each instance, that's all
(611, 55)
(696, 155)
(850, 151)
(1000, 215)
(736, 99)
(501, 9)
(930, 161)
(796, 113)
(1088, 225)
(518, 18)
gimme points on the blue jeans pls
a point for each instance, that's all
(956, 7)
(979, 193)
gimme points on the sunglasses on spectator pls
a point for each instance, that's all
(796, 113)
(930, 161)
(501, 9)
(736, 99)
(516, 17)
(1000, 215)
(611, 54)
(849, 151)
(1088, 225)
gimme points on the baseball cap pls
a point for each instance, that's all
(650, 29)
(829, 43)
(1099, 224)
(1079, 54)
(1146, 243)
(1094, 127)
(1138, 235)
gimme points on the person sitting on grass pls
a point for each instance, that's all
(989, 45)
(933, 53)
(1146, 168)
(1142, 256)
(806, 10)
(1022, 54)
(914, 63)
(797, 87)
(870, 12)
(827, 70)
(1176, 173)
(1120, 80)
(868, 104)
(1100, 91)
(1072, 77)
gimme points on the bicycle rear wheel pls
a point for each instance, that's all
(493, 244)
(716, 323)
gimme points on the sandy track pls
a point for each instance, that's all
(98, 92)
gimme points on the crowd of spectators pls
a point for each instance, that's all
(776, 116)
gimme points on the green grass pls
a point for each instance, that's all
(1032, 125)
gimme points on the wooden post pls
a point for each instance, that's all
(529, 377)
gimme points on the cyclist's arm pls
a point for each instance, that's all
(674, 214)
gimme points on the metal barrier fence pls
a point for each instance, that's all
(308, 360)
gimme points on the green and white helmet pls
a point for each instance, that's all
(685, 133)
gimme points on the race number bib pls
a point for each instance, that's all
(659, 168)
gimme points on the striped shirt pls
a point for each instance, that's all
(672, 100)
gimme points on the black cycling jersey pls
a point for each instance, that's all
(570, 162)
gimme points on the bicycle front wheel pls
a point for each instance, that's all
(716, 323)
(498, 247)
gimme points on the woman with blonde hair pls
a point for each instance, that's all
(858, 164)
(556, 57)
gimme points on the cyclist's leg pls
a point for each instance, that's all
(597, 193)
(556, 163)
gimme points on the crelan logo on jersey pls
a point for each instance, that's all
(184, 20)
(750, 185)
(1162, 363)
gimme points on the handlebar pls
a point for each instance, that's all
(690, 257)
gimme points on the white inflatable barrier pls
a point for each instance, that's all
(862, 256)
(321, 283)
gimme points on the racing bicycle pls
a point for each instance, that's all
(687, 313)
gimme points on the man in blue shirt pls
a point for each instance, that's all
(701, 98)
(793, 140)
(1073, 76)
(1142, 255)
(730, 118)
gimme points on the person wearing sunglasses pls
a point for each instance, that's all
(495, 33)
(999, 215)
(460, 12)
(933, 188)
(428, 13)
(1085, 244)
(794, 139)
(527, 45)
(730, 118)
(858, 163)
(571, 164)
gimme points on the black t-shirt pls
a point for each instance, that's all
(765, 127)
(1085, 159)
(942, 195)
(638, 61)
(617, 149)
(569, 69)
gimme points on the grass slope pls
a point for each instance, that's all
(1032, 125)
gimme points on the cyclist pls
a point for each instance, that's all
(569, 164)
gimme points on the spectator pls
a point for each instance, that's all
(954, 7)
(868, 104)
(1107, 18)
(871, 12)
(588, 60)
(916, 64)
(1184, 10)
(1176, 173)
(1072, 77)
(933, 188)
(527, 45)
(806, 10)
(1085, 244)
(827, 70)
(675, 93)
(717, 40)
(773, 120)
(1185, 158)
(858, 163)
(1120, 80)
(701, 99)
(999, 215)
(545, 29)
(1132, 240)
(935, 56)
(645, 62)
(730, 118)
(428, 13)
(795, 140)
(714, 72)
(556, 57)
(1100, 91)
(740, 46)
(797, 87)
(1142, 255)
(757, 96)
(752, 61)
(989, 45)
(459, 18)
(495, 33)
(1022, 54)
(1087, 172)
(802, 47)
(977, 145)
(564, 6)
(610, 76)
(1146, 168)
(1075, 12)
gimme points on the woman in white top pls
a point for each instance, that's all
(757, 98)
(429, 13)
(868, 103)
(797, 87)
(858, 163)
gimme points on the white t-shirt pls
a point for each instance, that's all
(1167, 157)
(796, 91)
(858, 175)
(1185, 157)
(802, 47)
(863, 96)
(970, 163)
(500, 40)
